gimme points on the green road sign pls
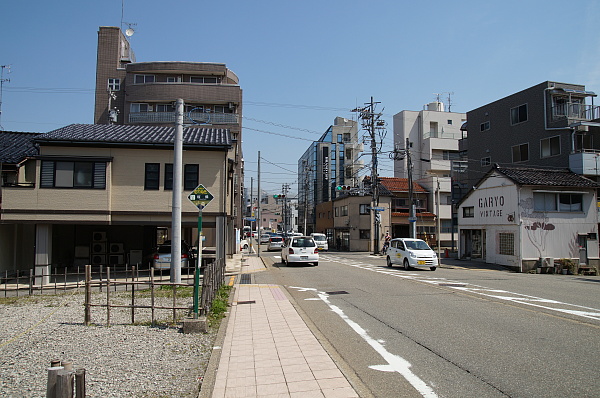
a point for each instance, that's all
(200, 197)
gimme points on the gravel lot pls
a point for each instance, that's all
(122, 360)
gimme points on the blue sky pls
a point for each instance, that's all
(301, 64)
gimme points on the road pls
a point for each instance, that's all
(454, 332)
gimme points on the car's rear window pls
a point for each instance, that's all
(319, 238)
(303, 242)
(164, 249)
(276, 239)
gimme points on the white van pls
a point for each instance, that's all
(320, 240)
(411, 253)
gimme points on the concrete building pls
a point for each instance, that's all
(551, 124)
(329, 162)
(524, 217)
(144, 93)
(102, 194)
(433, 136)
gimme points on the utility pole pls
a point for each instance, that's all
(411, 211)
(2, 81)
(259, 221)
(284, 191)
(371, 123)
(177, 184)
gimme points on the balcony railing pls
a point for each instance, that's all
(573, 110)
(169, 117)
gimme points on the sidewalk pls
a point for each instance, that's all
(268, 350)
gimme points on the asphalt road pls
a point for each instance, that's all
(454, 332)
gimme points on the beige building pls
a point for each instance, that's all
(102, 194)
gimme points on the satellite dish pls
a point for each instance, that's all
(129, 32)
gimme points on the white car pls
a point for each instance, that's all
(320, 240)
(264, 238)
(243, 244)
(411, 253)
(300, 249)
(275, 242)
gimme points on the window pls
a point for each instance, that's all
(485, 126)
(134, 108)
(518, 114)
(151, 176)
(362, 209)
(142, 79)
(114, 84)
(556, 201)
(364, 233)
(190, 176)
(73, 174)
(164, 108)
(173, 79)
(468, 212)
(506, 243)
(204, 79)
(222, 109)
(344, 210)
(550, 147)
(447, 227)
(486, 161)
(450, 155)
(520, 153)
(168, 176)
(449, 121)
(336, 211)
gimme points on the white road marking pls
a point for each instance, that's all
(395, 363)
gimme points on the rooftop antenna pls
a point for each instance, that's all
(450, 100)
(129, 31)
(2, 81)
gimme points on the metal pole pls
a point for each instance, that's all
(374, 178)
(437, 211)
(177, 191)
(198, 265)
(258, 219)
(411, 210)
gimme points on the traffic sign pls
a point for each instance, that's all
(200, 197)
(412, 219)
(376, 208)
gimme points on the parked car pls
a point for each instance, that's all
(320, 240)
(275, 243)
(411, 253)
(162, 256)
(300, 249)
(264, 238)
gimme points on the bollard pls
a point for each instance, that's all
(52, 377)
(80, 383)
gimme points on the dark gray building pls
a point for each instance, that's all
(554, 125)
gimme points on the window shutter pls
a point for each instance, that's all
(47, 174)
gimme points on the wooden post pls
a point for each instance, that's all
(64, 384)
(132, 294)
(88, 295)
(80, 383)
(52, 376)
(107, 296)
(152, 293)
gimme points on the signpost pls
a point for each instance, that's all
(200, 197)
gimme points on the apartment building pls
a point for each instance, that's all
(329, 162)
(552, 124)
(144, 93)
(433, 136)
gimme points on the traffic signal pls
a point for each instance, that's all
(343, 188)
(280, 196)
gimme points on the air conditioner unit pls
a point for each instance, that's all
(547, 262)
(99, 236)
(98, 247)
(98, 259)
(135, 257)
(115, 259)
(116, 248)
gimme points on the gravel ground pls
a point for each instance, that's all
(122, 360)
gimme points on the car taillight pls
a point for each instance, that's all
(156, 257)
(316, 250)
(291, 251)
(184, 255)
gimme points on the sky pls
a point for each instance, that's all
(301, 64)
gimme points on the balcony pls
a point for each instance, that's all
(574, 110)
(169, 117)
(586, 162)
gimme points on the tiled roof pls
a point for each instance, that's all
(394, 184)
(133, 134)
(15, 146)
(546, 177)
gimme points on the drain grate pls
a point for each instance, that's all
(247, 302)
(246, 279)
(337, 292)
